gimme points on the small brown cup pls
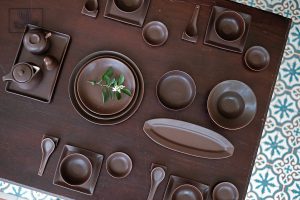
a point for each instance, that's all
(186, 191)
(118, 165)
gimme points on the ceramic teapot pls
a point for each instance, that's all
(25, 75)
(36, 41)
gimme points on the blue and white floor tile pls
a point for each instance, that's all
(276, 174)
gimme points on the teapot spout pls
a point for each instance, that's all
(8, 77)
(36, 69)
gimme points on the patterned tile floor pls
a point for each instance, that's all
(276, 175)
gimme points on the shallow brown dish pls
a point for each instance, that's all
(155, 33)
(257, 58)
(232, 104)
(75, 169)
(176, 90)
(118, 165)
(175, 182)
(78, 169)
(90, 95)
(227, 29)
(187, 192)
(128, 5)
(225, 191)
(105, 119)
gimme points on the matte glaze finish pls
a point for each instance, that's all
(257, 58)
(188, 138)
(119, 165)
(157, 176)
(187, 192)
(225, 191)
(155, 33)
(23, 122)
(47, 146)
(90, 8)
(191, 32)
(37, 41)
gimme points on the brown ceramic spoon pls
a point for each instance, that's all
(48, 147)
(157, 176)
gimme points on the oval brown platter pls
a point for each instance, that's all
(155, 33)
(102, 119)
(188, 138)
(90, 95)
(225, 191)
(257, 58)
(176, 90)
(230, 26)
(186, 191)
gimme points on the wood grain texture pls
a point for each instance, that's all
(23, 121)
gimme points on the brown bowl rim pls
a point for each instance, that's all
(121, 154)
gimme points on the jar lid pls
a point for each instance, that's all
(22, 73)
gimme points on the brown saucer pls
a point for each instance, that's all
(176, 90)
(118, 165)
(232, 104)
(230, 26)
(187, 192)
(155, 33)
(257, 58)
(225, 191)
(90, 95)
(75, 169)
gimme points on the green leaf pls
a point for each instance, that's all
(92, 82)
(126, 91)
(109, 72)
(118, 95)
(121, 79)
(112, 81)
(106, 79)
(105, 96)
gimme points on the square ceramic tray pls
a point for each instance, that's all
(135, 17)
(211, 37)
(44, 91)
(96, 161)
(175, 181)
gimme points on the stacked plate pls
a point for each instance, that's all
(87, 99)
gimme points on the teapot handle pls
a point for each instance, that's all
(8, 77)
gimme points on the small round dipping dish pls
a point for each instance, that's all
(75, 169)
(257, 58)
(128, 5)
(91, 96)
(155, 33)
(176, 90)
(232, 104)
(186, 192)
(230, 26)
(119, 165)
(225, 191)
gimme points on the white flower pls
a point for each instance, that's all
(118, 88)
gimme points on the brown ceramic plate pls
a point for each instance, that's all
(175, 182)
(188, 138)
(176, 90)
(257, 58)
(78, 169)
(225, 191)
(105, 119)
(186, 192)
(155, 33)
(119, 165)
(91, 96)
(232, 104)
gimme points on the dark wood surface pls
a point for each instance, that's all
(23, 121)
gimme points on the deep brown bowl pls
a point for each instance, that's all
(91, 96)
(186, 192)
(225, 191)
(257, 58)
(232, 104)
(118, 165)
(128, 5)
(230, 26)
(155, 33)
(176, 90)
(75, 169)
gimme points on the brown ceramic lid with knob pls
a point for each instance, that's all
(232, 104)
(225, 191)
(22, 73)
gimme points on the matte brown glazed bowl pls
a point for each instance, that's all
(230, 26)
(232, 104)
(118, 165)
(257, 58)
(186, 192)
(155, 33)
(75, 169)
(128, 5)
(225, 191)
(91, 96)
(176, 90)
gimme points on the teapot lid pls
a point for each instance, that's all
(22, 73)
